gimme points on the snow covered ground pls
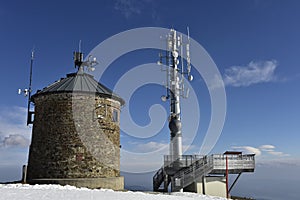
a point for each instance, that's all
(57, 192)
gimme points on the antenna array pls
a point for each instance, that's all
(176, 70)
(90, 63)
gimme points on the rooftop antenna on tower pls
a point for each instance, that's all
(79, 46)
(27, 92)
(175, 86)
(79, 63)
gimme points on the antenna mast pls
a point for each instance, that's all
(30, 113)
(175, 87)
(27, 92)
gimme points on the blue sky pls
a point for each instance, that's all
(255, 45)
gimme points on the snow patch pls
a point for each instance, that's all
(53, 192)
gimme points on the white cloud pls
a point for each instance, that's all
(15, 141)
(13, 122)
(248, 150)
(261, 150)
(13, 129)
(253, 73)
(267, 147)
(128, 7)
(270, 149)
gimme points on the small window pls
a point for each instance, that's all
(115, 115)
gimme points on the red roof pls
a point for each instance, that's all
(233, 153)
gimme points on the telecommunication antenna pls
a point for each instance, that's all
(90, 63)
(27, 92)
(175, 85)
(79, 46)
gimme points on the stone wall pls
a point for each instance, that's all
(74, 136)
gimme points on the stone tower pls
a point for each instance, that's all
(76, 134)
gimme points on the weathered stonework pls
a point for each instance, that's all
(76, 135)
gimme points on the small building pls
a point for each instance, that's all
(76, 134)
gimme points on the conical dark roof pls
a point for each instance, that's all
(79, 82)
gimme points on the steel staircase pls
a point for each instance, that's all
(192, 173)
(189, 169)
(158, 179)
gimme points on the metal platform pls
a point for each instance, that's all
(192, 168)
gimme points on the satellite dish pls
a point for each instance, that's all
(190, 77)
(19, 91)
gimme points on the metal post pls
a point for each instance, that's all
(234, 182)
(227, 192)
(175, 121)
(24, 174)
(29, 113)
(166, 182)
(203, 184)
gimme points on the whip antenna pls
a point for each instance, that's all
(27, 92)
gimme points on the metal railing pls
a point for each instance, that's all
(196, 171)
(235, 162)
(158, 178)
(215, 163)
(194, 167)
(182, 161)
